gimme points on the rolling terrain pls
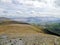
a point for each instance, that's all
(18, 28)
(37, 20)
(20, 33)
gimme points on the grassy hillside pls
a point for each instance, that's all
(54, 28)
(21, 27)
(17, 27)
(19, 33)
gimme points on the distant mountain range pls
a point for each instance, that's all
(37, 20)
(4, 19)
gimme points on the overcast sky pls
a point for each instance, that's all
(29, 8)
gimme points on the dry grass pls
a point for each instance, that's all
(29, 34)
(18, 28)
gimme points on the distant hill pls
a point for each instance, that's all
(4, 19)
(37, 20)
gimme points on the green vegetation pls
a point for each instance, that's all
(54, 28)
(51, 28)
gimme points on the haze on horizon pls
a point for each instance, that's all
(29, 8)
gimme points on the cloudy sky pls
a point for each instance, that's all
(29, 8)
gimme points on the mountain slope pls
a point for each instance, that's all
(37, 20)
(18, 28)
(14, 33)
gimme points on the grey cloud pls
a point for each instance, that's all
(11, 9)
(57, 3)
(16, 2)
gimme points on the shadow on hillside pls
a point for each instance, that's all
(12, 22)
(51, 33)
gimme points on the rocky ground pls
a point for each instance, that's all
(22, 34)
(29, 39)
